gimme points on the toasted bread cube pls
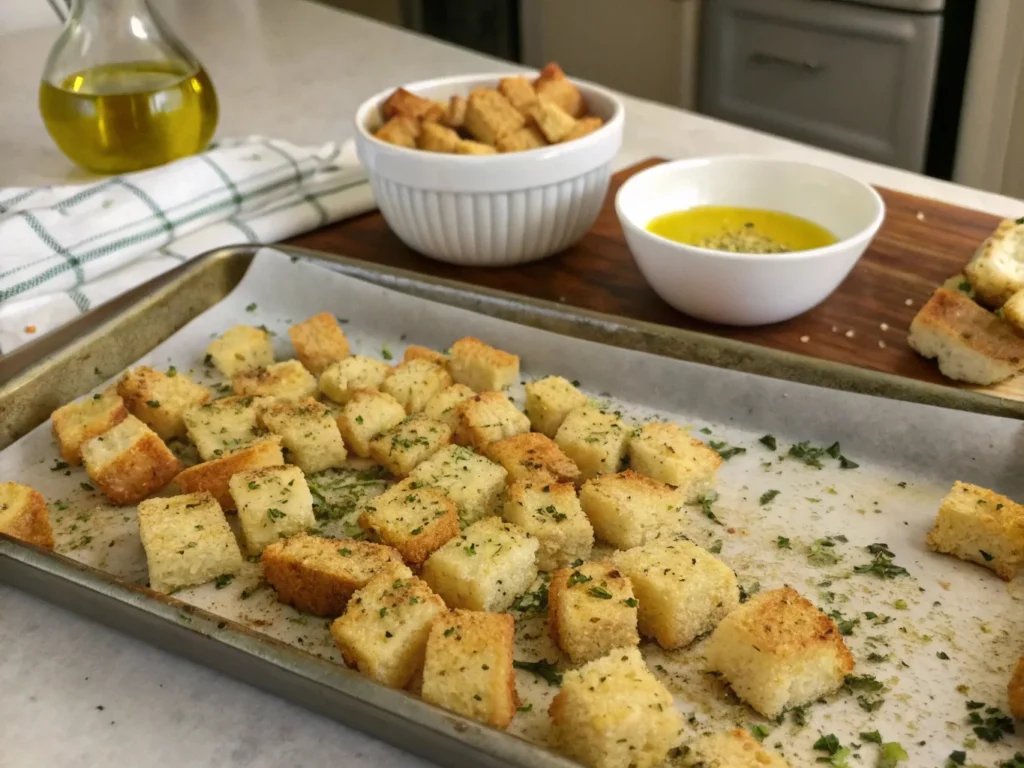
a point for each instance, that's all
(287, 381)
(525, 138)
(489, 116)
(272, 503)
(534, 457)
(223, 425)
(77, 422)
(778, 651)
(486, 418)
(996, 271)
(469, 147)
(342, 379)
(481, 367)
(472, 482)
(552, 514)
(595, 440)
(444, 405)
(367, 414)
(665, 452)
(628, 509)
(160, 400)
(415, 439)
(239, 349)
(549, 401)
(1013, 310)
(413, 519)
(128, 462)
(214, 476)
(682, 590)
(980, 526)
(455, 114)
(613, 713)
(485, 568)
(416, 352)
(436, 113)
(468, 666)
(384, 630)
(435, 137)
(553, 121)
(319, 342)
(309, 434)
(24, 515)
(591, 610)
(400, 130)
(519, 92)
(413, 383)
(583, 127)
(403, 102)
(731, 749)
(187, 541)
(1015, 690)
(553, 85)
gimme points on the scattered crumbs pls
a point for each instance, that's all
(884, 326)
(835, 329)
(850, 334)
(909, 302)
(920, 216)
(30, 329)
(804, 339)
(881, 344)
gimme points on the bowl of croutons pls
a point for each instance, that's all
(490, 170)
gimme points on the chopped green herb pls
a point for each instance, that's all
(274, 514)
(86, 487)
(172, 371)
(345, 552)
(383, 612)
(769, 442)
(706, 500)
(525, 708)
(449, 632)
(59, 465)
(767, 496)
(253, 485)
(359, 419)
(993, 726)
(986, 555)
(706, 431)
(542, 668)
(386, 353)
(891, 754)
(471, 549)
(782, 543)
(600, 593)
(956, 757)
(716, 547)
(845, 463)
(834, 450)
(223, 580)
(872, 736)
(799, 715)
(807, 453)
(759, 732)
(822, 553)
(631, 602)
(882, 566)
(748, 592)
(251, 307)
(533, 602)
(578, 578)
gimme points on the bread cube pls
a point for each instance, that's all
(489, 116)
(223, 425)
(309, 434)
(549, 401)
(980, 526)
(665, 452)
(591, 610)
(519, 92)
(214, 476)
(187, 541)
(1015, 690)
(628, 509)
(595, 440)
(583, 127)
(472, 482)
(286, 381)
(552, 514)
(403, 102)
(318, 575)
(128, 462)
(481, 367)
(341, 380)
(435, 137)
(272, 503)
(319, 342)
(24, 515)
(469, 147)
(534, 457)
(682, 590)
(77, 422)
(996, 271)
(367, 414)
(730, 749)
(239, 349)
(416, 352)
(411, 518)
(413, 383)
(443, 406)
(778, 651)
(400, 130)
(526, 138)
(160, 400)
(553, 85)
(614, 713)
(486, 418)
(553, 121)
(468, 666)
(413, 440)
(455, 114)
(484, 568)
(383, 632)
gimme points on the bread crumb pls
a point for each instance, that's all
(30, 329)
(804, 339)
(884, 326)
(909, 302)
(850, 334)
(881, 344)
(920, 216)
(835, 329)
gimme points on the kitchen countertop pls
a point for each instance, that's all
(76, 694)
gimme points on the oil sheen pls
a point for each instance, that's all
(741, 230)
(123, 117)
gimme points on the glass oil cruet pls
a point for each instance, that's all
(120, 92)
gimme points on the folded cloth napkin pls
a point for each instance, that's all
(64, 250)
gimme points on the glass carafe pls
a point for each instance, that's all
(120, 92)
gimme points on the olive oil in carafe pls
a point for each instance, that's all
(124, 117)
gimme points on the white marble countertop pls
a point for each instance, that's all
(77, 694)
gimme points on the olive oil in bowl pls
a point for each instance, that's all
(124, 117)
(741, 230)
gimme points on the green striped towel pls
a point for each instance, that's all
(65, 250)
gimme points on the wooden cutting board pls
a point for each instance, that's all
(863, 323)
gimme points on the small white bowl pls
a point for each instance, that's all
(491, 210)
(739, 288)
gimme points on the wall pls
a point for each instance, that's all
(1013, 170)
(16, 15)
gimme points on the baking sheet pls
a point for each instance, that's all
(908, 456)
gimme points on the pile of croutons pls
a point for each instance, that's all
(517, 116)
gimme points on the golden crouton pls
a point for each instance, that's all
(242, 348)
(413, 383)
(455, 114)
(551, 513)
(384, 630)
(413, 440)
(400, 130)
(129, 462)
(187, 541)
(319, 342)
(996, 271)
(161, 399)
(980, 526)
(468, 666)
(413, 519)
(519, 93)
(730, 749)
(444, 405)
(224, 425)
(1013, 310)
(526, 138)
(583, 127)
(436, 113)
(628, 509)
(481, 367)
(778, 651)
(288, 381)
(553, 85)
(435, 137)
(214, 476)
(341, 379)
(552, 120)
(403, 102)
(472, 482)
(272, 503)
(534, 457)
(489, 116)
(1015, 690)
(591, 610)
(367, 414)
(486, 418)
(613, 712)
(24, 515)
(309, 434)
(416, 352)
(665, 452)
(77, 422)
(549, 401)
(594, 439)
(468, 147)
(318, 575)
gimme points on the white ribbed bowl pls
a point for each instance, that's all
(492, 210)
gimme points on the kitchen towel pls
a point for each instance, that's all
(66, 249)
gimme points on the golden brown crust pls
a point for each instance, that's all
(552, 84)
(553, 121)
(489, 116)
(1015, 690)
(519, 91)
(583, 127)
(400, 130)
(77, 422)
(134, 474)
(486, 418)
(416, 352)
(455, 115)
(403, 102)
(559, 583)
(435, 137)
(160, 400)
(991, 272)
(533, 457)
(526, 138)
(956, 315)
(24, 515)
(213, 476)
(319, 342)
(415, 548)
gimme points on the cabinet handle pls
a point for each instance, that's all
(805, 65)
